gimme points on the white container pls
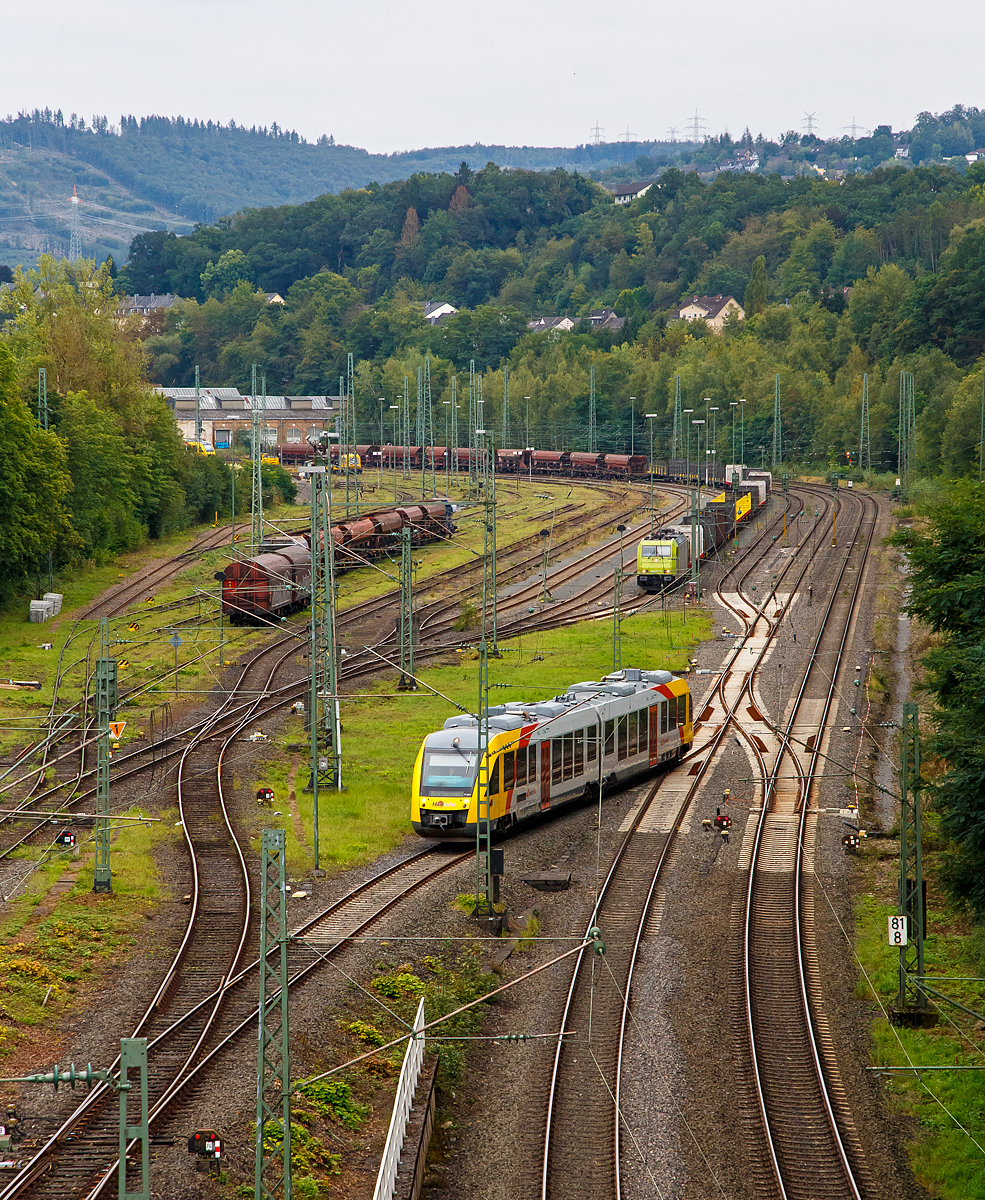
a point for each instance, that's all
(41, 611)
(55, 599)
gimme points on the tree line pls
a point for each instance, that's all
(111, 468)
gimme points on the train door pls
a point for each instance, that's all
(654, 735)
(545, 774)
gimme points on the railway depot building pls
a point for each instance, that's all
(225, 412)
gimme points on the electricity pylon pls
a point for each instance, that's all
(256, 507)
(864, 441)
(272, 1163)
(323, 703)
(75, 237)
(777, 425)
(506, 438)
(592, 413)
(678, 434)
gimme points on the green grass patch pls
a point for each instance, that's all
(948, 1106)
(53, 954)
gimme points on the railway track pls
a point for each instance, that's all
(799, 1127)
(79, 1159)
(585, 1084)
(203, 1021)
(440, 611)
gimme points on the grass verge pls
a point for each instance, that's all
(57, 948)
(947, 1107)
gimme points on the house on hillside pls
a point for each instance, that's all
(713, 309)
(436, 310)
(143, 306)
(543, 324)
(626, 193)
(605, 318)
(274, 298)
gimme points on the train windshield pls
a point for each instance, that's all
(664, 550)
(448, 772)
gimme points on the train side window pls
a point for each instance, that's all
(568, 742)
(642, 718)
(687, 709)
(632, 739)
(672, 713)
(623, 737)
(609, 743)
(509, 769)
(494, 779)
(663, 716)
(521, 766)
(532, 764)
(555, 760)
(591, 733)
(579, 752)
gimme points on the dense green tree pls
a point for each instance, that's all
(219, 278)
(755, 298)
(34, 483)
(487, 335)
(947, 563)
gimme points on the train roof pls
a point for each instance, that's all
(516, 713)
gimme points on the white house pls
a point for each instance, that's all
(713, 309)
(626, 193)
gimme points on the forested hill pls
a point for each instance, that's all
(157, 169)
(870, 276)
(204, 170)
(162, 172)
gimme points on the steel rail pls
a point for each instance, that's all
(769, 786)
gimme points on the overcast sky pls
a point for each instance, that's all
(395, 75)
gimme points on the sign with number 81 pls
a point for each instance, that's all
(897, 931)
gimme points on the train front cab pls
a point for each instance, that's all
(658, 563)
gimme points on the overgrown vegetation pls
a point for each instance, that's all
(946, 553)
(54, 953)
(946, 1106)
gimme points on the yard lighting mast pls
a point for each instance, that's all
(649, 419)
(695, 495)
(106, 699)
(395, 409)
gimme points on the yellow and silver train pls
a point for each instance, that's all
(545, 754)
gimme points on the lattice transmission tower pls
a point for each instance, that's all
(506, 432)
(75, 236)
(864, 439)
(592, 413)
(677, 438)
(907, 429)
(777, 456)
